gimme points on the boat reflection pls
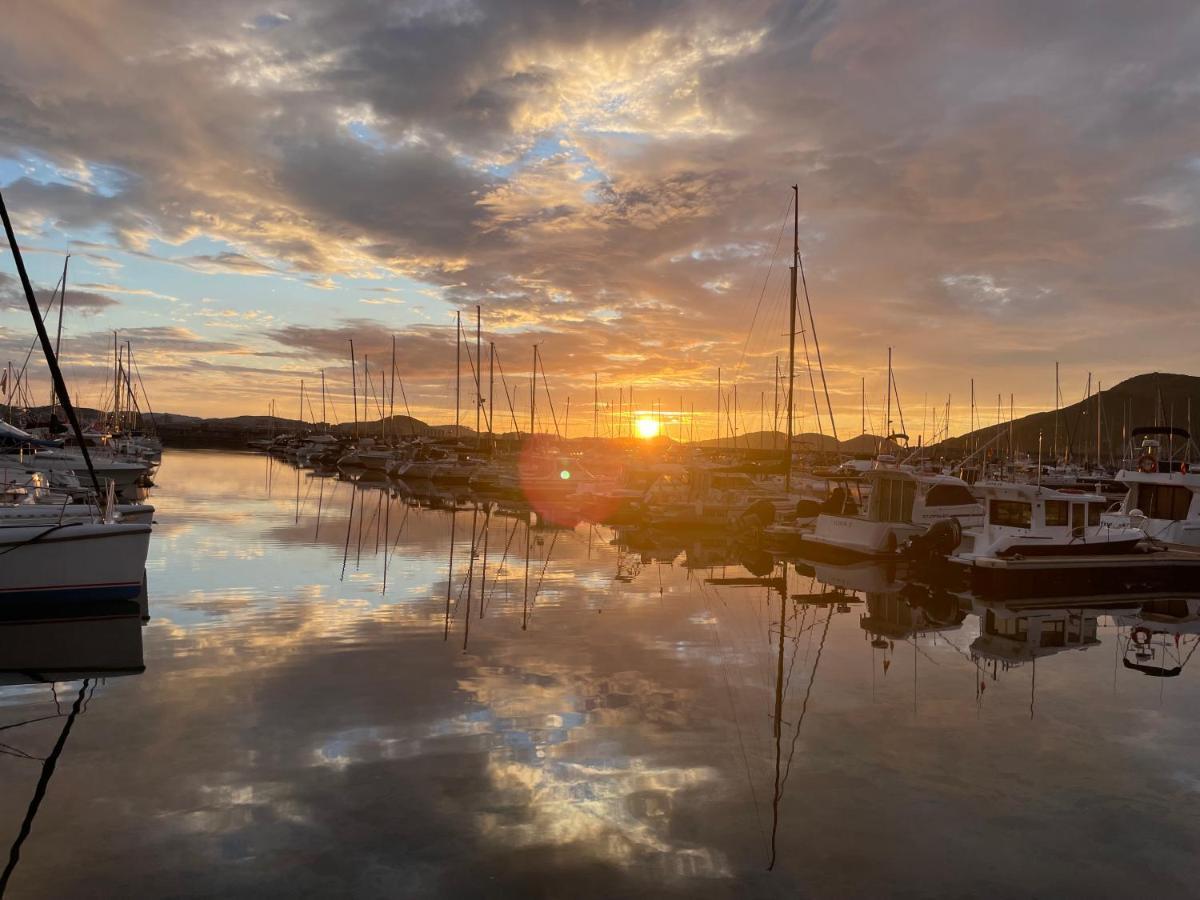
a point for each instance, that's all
(45, 645)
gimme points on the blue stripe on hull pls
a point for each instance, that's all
(106, 593)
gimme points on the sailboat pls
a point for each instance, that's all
(79, 560)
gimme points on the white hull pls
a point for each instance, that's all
(72, 562)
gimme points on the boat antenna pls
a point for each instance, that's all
(60, 386)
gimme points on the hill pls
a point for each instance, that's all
(1153, 398)
(775, 440)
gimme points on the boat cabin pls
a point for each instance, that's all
(1030, 520)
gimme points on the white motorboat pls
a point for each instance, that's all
(1012, 634)
(1163, 499)
(72, 561)
(902, 504)
(1023, 520)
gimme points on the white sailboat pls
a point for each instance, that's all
(100, 560)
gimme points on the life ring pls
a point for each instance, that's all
(1147, 464)
(1141, 636)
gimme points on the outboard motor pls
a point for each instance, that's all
(762, 513)
(940, 540)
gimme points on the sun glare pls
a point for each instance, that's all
(646, 428)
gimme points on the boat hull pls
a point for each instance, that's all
(72, 561)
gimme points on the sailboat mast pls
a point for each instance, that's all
(354, 387)
(62, 298)
(533, 392)
(1056, 396)
(392, 388)
(719, 396)
(775, 419)
(491, 394)
(595, 405)
(324, 420)
(864, 405)
(478, 373)
(887, 425)
(47, 350)
(457, 369)
(787, 445)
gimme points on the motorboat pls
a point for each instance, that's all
(902, 504)
(1023, 520)
(1163, 497)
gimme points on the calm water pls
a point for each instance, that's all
(312, 722)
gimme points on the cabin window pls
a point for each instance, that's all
(1163, 501)
(1054, 634)
(1010, 627)
(892, 500)
(948, 495)
(1010, 513)
(1057, 512)
(1094, 511)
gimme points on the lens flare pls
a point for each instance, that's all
(646, 428)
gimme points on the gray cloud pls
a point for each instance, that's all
(998, 171)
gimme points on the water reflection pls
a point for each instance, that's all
(362, 688)
(47, 648)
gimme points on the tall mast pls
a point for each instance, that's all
(1099, 391)
(129, 379)
(302, 403)
(595, 405)
(478, 374)
(116, 381)
(392, 388)
(354, 387)
(324, 420)
(787, 445)
(60, 385)
(62, 298)
(887, 424)
(366, 389)
(533, 392)
(457, 369)
(1056, 396)
(864, 405)
(491, 394)
(719, 399)
(775, 417)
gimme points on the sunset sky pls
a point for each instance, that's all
(986, 187)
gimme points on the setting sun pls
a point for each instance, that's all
(646, 428)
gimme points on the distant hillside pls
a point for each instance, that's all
(1154, 398)
(768, 440)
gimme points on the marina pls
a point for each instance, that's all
(599, 449)
(424, 691)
